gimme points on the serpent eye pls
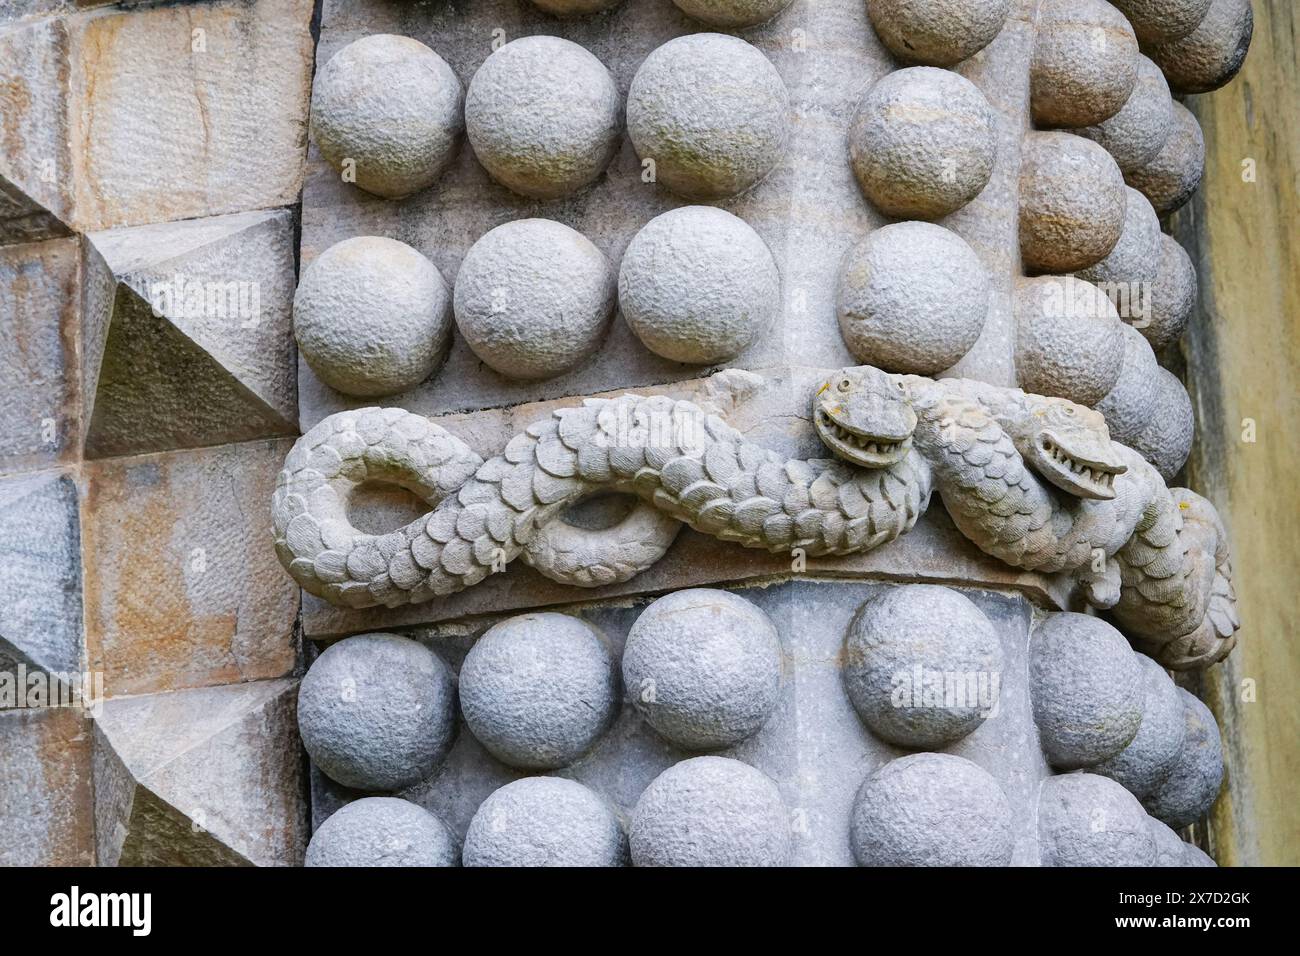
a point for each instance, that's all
(845, 384)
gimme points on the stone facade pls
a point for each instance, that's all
(889, 514)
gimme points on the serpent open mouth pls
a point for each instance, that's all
(859, 447)
(1080, 476)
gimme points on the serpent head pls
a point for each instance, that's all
(1070, 446)
(863, 415)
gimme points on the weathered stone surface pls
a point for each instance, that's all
(193, 345)
(1153, 750)
(545, 821)
(382, 831)
(40, 420)
(1087, 820)
(208, 777)
(1192, 784)
(1085, 63)
(182, 588)
(40, 574)
(45, 788)
(939, 33)
(814, 746)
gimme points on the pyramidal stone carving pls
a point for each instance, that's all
(188, 340)
(205, 777)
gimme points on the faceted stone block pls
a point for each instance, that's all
(188, 333)
(46, 814)
(182, 586)
(40, 574)
(207, 777)
(40, 303)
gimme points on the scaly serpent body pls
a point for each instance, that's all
(689, 465)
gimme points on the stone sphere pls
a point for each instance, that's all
(937, 32)
(710, 811)
(697, 285)
(931, 810)
(372, 316)
(377, 712)
(1129, 405)
(1212, 54)
(941, 632)
(1155, 21)
(534, 298)
(731, 14)
(538, 690)
(574, 8)
(1135, 135)
(391, 106)
(912, 297)
(382, 831)
(1134, 263)
(1085, 63)
(1170, 179)
(1169, 845)
(545, 821)
(711, 112)
(1166, 439)
(1159, 740)
(704, 668)
(1189, 789)
(1173, 296)
(922, 143)
(1087, 820)
(544, 117)
(1072, 202)
(1068, 341)
(1087, 689)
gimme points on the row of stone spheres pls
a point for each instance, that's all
(1062, 468)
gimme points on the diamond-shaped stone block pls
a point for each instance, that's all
(207, 777)
(188, 335)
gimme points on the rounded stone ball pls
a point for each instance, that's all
(1069, 341)
(544, 116)
(698, 284)
(1072, 202)
(372, 316)
(1087, 820)
(1173, 296)
(538, 690)
(712, 114)
(392, 107)
(941, 632)
(1166, 440)
(1129, 405)
(1155, 21)
(1084, 65)
(544, 821)
(710, 811)
(922, 143)
(1135, 135)
(574, 8)
(704, 668)
(382, 831)
(534, 298)
(1087, 689)
(912, 297)
(1147, 759)
(1129, 271)
(937, 32)
(1192, 784)
(1170, 179)
(931, 810)
(1169, 845)
(377, 712)
(731, 14)
(1213, 53)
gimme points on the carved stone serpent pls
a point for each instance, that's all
(1033, 481)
